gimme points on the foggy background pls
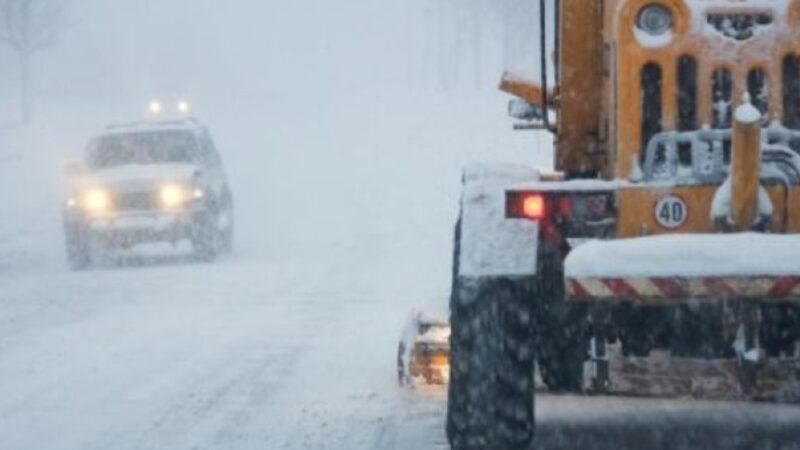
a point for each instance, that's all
(343, 125)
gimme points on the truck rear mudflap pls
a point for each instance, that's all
(677, 269)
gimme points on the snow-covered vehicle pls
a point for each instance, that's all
(159, 181)
(663, 255)
(423, 356)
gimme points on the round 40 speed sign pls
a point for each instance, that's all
(671, 212)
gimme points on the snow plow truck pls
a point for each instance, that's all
(662, 256)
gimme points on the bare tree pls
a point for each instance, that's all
(29, 27)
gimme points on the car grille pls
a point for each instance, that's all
(138, 201)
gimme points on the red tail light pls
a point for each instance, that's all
(533, 206)
(527, 205)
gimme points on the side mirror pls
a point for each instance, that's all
(73, 169)
(522, 110)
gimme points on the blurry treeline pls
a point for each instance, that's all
(467, 43)
(27, 29)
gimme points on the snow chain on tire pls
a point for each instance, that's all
(491, 390)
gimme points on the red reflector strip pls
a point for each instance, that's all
(683, 289)
(621, 288)
(578, 291)
(671, 287)
(719, 287)
(784, 287)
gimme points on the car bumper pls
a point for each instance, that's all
(125, 230)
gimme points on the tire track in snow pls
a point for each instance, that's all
(236, 340)
(208, 419)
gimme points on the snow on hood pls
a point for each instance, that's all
(143, 174)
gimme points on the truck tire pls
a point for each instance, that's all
(562, 328)
(491, 391)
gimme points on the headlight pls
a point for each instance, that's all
(96, 200)
(155, 107)
(173, 196)
(184, 107)
(655, 20)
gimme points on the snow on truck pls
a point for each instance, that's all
(669, 235)
(154, 181)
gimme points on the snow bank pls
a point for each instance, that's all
(743, 254)
(492, 245)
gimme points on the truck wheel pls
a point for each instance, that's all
(563, 331)
(491, 392)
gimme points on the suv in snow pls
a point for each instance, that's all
(148, 182)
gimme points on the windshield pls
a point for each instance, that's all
(153, 147)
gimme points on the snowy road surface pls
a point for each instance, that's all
(236, 355)
(271, 355)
